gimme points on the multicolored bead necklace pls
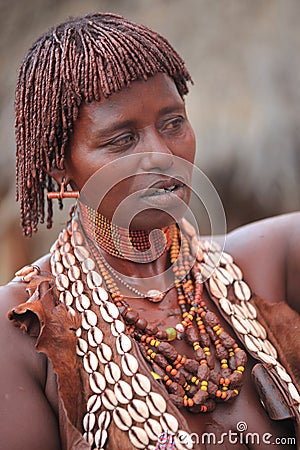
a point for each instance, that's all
(133, 245)
(198, 383)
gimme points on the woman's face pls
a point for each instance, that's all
(146, 126)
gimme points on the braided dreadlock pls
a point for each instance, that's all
(81, 60)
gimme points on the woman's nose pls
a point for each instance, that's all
(156, 155)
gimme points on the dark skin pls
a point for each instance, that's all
(268, 253)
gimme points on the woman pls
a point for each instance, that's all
(139, 339)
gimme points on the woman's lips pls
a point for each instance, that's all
(166, 196)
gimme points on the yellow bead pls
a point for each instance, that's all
(152, 342)
(236, 391)
(194, 379)
(203, 388)
(197, 382)
(223, 361)
(204, 383)
(224, 366)
(185, 314)
(240, 368)
(216, 327)
(206, 349)
(218, 332)
(224, 388)
(153, 355)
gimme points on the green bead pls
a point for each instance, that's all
(172, 334)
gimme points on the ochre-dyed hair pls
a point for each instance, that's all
(81, 60)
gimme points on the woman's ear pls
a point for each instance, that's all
(59, 175)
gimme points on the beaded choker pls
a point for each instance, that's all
(133, 245)
(196, 383)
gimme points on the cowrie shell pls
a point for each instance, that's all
(97, 382)
(129, 364)
(261, 331)
(239, 312)
(89, 437)
(266, 358)
(66, 297)
(269, 348)
(226, 306)
(101, 438)
(89, 421)
(104, 420)
(169, 422)
(77, 288)
(87, 265)
(71, 311)
(90, 362)
(105, 315)
(109, 399)
(239, 325)
(81, 252)
(138, 410)
(76, 238)
(248, 310)
(217, 288)
(112, 310)
(53, 247)
(112, 372)
(56, 256)
(99, 295)
(212, 258)
(226, 259)
(82, 302)
(93, 403)
(235, 271)
(63, 237)
(123, 344)
(138, 437)
(68, 260)
(57, 268)
(283, 374)
(104, 353)
(82, 347)
(156, 404)
(74, 225)
(141, 385)
(224, 276)
(89, 319)
(205, 271)
(294, 392)
(122, 419)
(242, 290)
(74, 273)
(117, 327)
(93, 279)
(95, 336)
(123, 392)
(251, 345)
(62, 282)
(153, 429)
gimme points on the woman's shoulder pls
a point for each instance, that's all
(268, 251)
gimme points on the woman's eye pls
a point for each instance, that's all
(174, 124)
(122, 140)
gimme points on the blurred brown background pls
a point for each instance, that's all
(245, 105)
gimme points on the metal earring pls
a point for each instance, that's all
(62, 193)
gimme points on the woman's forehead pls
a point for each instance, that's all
(158, 92)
